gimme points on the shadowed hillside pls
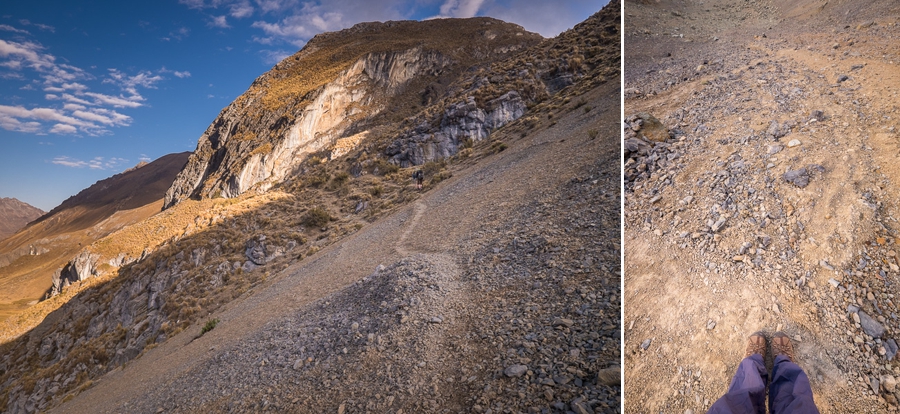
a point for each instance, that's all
(29, 258)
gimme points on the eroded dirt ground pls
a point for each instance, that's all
(772, 205)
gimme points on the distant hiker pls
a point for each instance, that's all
(419, 176)
(789, 391)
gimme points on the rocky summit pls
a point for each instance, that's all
(296, 267)
(340, 85)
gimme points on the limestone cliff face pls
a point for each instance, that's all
(301, 107)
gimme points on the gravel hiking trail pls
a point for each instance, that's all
(496, 290)
(773, 204)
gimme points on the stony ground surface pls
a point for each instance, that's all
(496, 292)
(772, 203)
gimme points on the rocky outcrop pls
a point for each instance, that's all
(257, 141)
(481, 103)
(82, 267)
(460, 122)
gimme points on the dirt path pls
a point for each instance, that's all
(425, 309)
(720, 244)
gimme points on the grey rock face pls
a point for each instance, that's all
(81, 267)
(460, 122)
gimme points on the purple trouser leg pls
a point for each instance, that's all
(790, 391)
(747, 392)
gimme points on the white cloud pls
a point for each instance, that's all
(63, 129)
(103, 116)
(97, 163)
(219, 21)
(145, 158)
(129, 84)
(74, 99)
(73, 107)
(74, 86)
(116, 101)
(9, 28)
(52, 97)
(69, 162)
(53, 89)
(184, 74)
(241, 10)
(460, 8)
(43, 114)
(268, 6)
(274, 56)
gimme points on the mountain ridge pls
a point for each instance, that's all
(15, 214)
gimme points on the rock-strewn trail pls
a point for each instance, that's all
(771, 205)
(498, 291)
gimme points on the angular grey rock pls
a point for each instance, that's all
(891, 347)
(798, 177)
(516, 370)
(646, 343)
(256, 251)
(870, 326)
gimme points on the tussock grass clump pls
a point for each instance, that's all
(316, 217)
(382, 167)
(262, 149)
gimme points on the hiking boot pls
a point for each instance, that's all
(756, 344)
(781, 345)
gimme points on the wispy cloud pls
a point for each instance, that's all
(178, 34)
(97, 163)
(219, 21)
(116, 101)
(241, 9)
(72, 108)
(460, 8)
(8, 28)
(44, 27)
(274, 56)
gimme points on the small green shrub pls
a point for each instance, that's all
(498, 146)
(376, 190)
(592, 133)
(210, 325)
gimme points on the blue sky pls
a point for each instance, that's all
(91, 88)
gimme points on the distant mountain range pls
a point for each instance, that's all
(15, 214)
